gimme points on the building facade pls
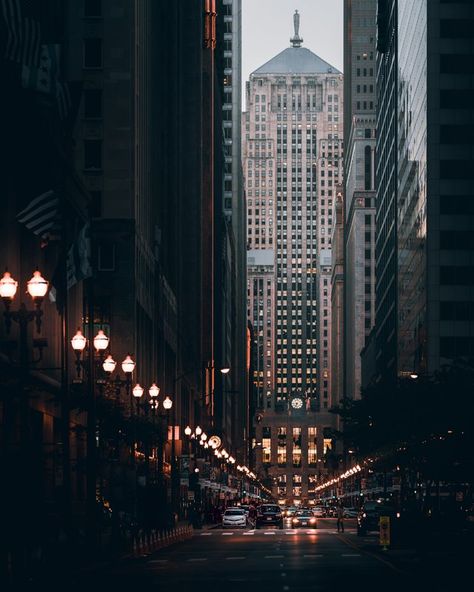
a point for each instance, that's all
(359, 180)
(292, 161)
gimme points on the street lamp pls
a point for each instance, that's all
(154, 391)
(188, 431)
(109, 364)
(37, 288)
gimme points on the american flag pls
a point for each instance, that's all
(41, 215)
(23, 31)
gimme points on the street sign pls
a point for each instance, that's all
(384, 525)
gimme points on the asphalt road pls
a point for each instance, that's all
(258, 560)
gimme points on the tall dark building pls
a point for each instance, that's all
(387, 185)
(359, 182)
(424, 183)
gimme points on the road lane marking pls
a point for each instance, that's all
(314, 555)
(249, 533)
(234, 558)
(158, 561)
(350, 554)
(198, 559)
(274, 556)
(206, 533)
(270, 532)
(227, 533)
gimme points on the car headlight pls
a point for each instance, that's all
(364, 515)
(295, 520)
(312, 520)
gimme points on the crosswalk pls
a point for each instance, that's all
(253, 532)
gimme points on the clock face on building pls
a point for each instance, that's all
(297, 403)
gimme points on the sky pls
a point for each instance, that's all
(267, 26)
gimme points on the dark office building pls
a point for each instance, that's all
(424, 186)
(386, 196)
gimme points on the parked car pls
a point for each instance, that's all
(304, 518)
(370, 512)
(269, 515)
(234, 518)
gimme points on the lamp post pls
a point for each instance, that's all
(19, 470)
(95, 359)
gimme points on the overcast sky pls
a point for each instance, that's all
(267, 26)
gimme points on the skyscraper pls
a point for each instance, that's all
(424, 175)
(292, 161)
(359, 182)
(386, 183)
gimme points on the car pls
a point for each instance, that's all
(269, 515)
(319, 512)
(369, 514)
(234, 518)
(304, 518)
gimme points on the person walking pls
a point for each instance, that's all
(340, 517)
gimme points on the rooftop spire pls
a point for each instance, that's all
(296, 41)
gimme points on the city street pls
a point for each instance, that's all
(264, 560)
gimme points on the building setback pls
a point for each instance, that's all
(292, 161)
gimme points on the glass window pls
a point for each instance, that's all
(92, 103)
(92, 53)
(93, 154)
(92, 8)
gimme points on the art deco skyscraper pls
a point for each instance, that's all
(292, 159)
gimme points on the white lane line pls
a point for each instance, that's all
(234, 558)
(350, 555)
(274, 556)
(198, 559)
(270, 532)
(311, 531)
(290, 532)
(158, 561)
(206, 533)
(314, 555)
(248, 533)
(227, 533)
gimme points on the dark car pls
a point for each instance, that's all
(304, 518)
(269, 515)
(369, 514)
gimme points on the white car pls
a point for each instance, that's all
(234, 518)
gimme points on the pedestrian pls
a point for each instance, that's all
(340, 517)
